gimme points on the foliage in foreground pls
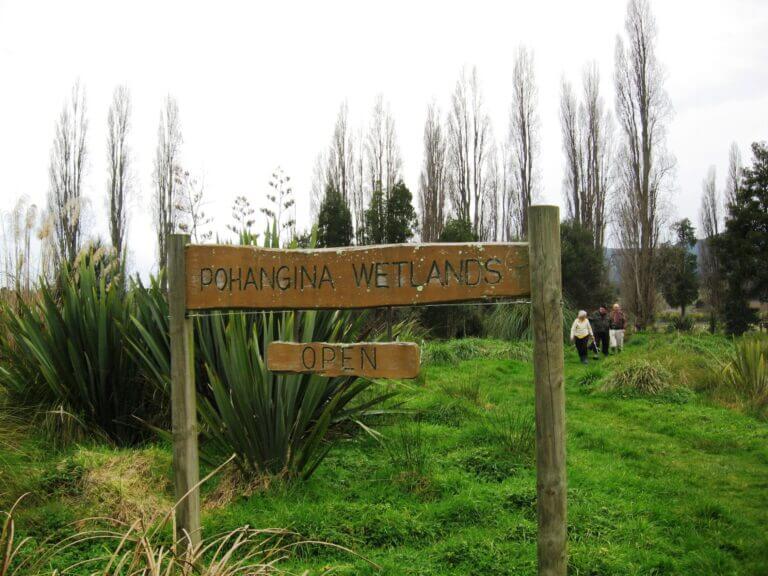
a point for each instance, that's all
(144, 548)
(641, 474)
(64, 355)
(277, 424)
(747, 371)
(513, 321)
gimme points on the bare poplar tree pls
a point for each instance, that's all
(67, 168)
(469, 141)
(392, 161)
(166, 173)
(642, 108)
(432, 183)
(358, 188)
(572, 148)
(710, 217)
(734, 173)
(510, 222)
(374, 146)
(340, 156)
(118, 181)
(382, 151)
(597, 128)
(492, 196)
(319, 183)
(587, 130)
(524, 135)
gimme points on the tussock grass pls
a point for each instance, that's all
(469, 389)
(591, 377)
(407, 449)
(640, 377)
(514, 431)
(454, 351)
(746, 372)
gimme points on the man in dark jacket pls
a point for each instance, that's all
(600, 327)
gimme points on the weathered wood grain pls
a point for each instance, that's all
(357, 277)
(546, 299)
(186, 467)
(369, 360)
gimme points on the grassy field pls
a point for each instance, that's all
(675, 483)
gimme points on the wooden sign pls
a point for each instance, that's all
(355, 277)
(370, 360)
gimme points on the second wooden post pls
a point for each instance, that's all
(546, 299)
(186, 467)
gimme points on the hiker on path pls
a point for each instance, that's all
(581, 331)
(617, 324)
(600, 322)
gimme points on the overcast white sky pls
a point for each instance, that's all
(259, 84)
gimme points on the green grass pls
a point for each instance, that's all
(656, 485)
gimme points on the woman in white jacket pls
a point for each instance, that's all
(581, 332)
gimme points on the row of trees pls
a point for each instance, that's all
(735, 243)
(617, 171)
(465, 173)
(617, 168)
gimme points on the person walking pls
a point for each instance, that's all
(581, 331)
(617, 324)
(601, 327)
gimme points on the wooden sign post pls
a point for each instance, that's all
(246, 277)
(546, 299)
(186, 465)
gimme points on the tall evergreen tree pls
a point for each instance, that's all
(376, 218)
(678, 269)
(401, 217)
(585, 281)
(334, 221)
(390, 220)
(743, 247)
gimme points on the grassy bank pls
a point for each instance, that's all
(673, 483)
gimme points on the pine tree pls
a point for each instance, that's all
(743, 247)
(376, 219)
(401, 217)
(678, 269)
(334, 221)
(390, 220)
(584, 273)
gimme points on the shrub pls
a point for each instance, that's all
(747, 371)
(683, 323)
(65, 356)
(640, 378)
(277, 424)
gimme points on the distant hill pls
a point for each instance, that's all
(612, 261)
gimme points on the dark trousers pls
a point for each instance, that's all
(602, 340)
(582, 347)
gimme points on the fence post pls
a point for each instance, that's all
(186, 468)
(546, 297)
